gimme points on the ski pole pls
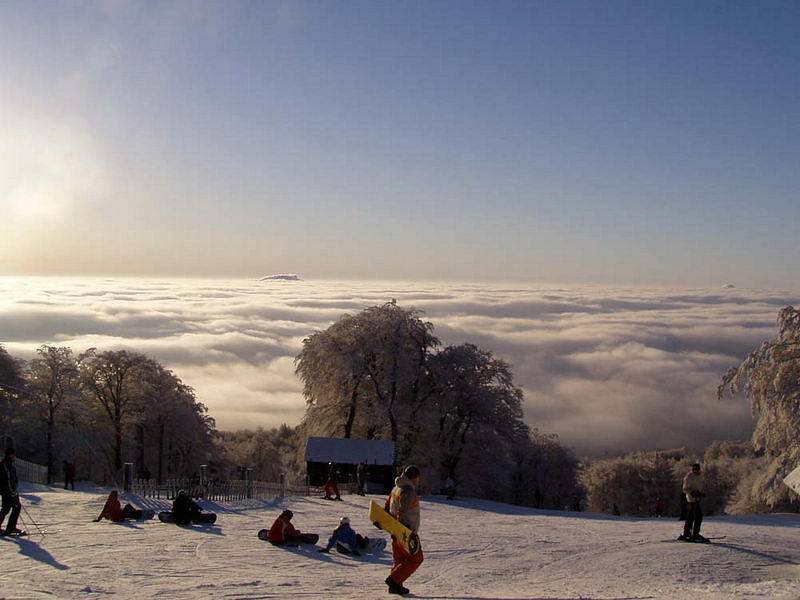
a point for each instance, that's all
(31, 519)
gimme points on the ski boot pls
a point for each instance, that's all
(684, 538)
(699, 539)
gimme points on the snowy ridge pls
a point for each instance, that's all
(473, 550)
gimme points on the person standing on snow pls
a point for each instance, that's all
(361, 477)
(693, 485)
(9, 494)
(403, 505)
(331, 489)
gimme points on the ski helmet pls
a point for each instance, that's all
(344, 521)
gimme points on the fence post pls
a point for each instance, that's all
(249, 483)
(127, 477)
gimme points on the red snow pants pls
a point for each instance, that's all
(404, 563)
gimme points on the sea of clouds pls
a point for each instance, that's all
(606, 368)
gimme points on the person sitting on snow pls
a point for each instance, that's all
(346, 540)
(113, 510)
(283, 532)
(185, 511)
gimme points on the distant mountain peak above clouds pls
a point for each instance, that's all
(282, 277)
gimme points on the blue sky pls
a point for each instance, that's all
(626, 142)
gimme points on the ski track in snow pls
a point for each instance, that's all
(474, 550)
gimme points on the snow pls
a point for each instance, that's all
(473, 550)
(350, 451)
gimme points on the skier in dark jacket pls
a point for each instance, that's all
(70, 470)
(9, 494)
(185, 511)
(361, 478)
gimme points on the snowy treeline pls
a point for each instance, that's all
(635, 482)
(454, 411)
(770, 378)
(100, 409)
(270, 452)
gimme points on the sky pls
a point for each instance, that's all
(606, 368)
(580, 142)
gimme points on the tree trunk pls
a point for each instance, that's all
(51, 459)
(160, 453)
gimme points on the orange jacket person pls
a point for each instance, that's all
(403, 505)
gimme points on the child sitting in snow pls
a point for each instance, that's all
(346, 540)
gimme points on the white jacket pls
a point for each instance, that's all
(693, 483)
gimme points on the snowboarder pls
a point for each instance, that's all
(331, 488)
(185, 511)
(361, 477)
(283, 532)
(346, 540)
(113, 511)
(693, 485)
(9, 494)
(69, 474)
(403, 505)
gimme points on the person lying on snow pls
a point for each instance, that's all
(113, 511)
(283, 532)
(185, 511)
(346, 540)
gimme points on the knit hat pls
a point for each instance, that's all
(411, 471)
(288, 513)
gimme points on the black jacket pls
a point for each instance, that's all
(8, 478)
(184, 509)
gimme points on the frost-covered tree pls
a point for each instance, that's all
(770, 379)
(169, 414)
(114, 380)
(367, 373)
(12, 387)
(475, 396)
(53, 380)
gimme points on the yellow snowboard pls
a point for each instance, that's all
(399, 532)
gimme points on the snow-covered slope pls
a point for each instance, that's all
(473, 550)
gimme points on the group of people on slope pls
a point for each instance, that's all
(402, 504)
(331, 487)
(184, 511)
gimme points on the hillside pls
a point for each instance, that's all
(474, 550)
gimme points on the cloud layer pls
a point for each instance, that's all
(606, 368)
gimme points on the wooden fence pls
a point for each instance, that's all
(236, 489)
(28, 471)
